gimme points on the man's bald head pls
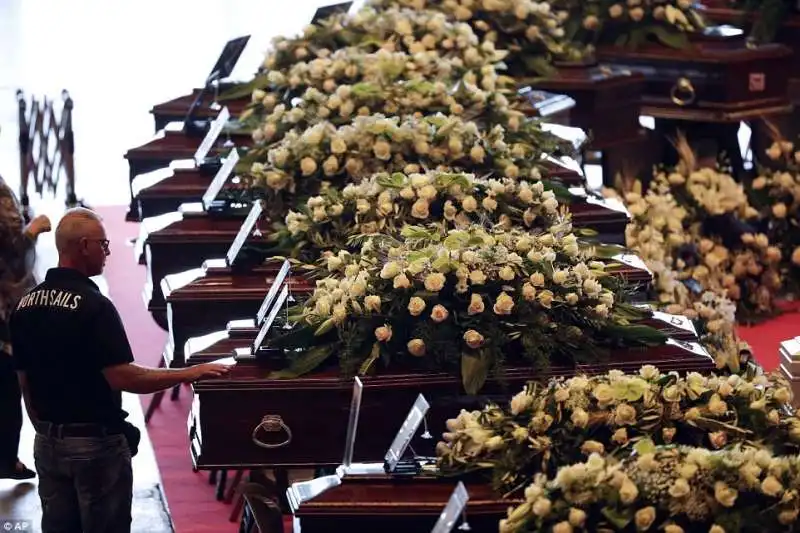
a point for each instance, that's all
(81, 241)
(76, 224)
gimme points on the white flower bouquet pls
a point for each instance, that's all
(564, 421)
(631, 23)
(670, 489)
(464, 301)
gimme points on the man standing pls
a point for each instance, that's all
(73, 358)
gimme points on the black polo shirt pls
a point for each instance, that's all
(64, 332)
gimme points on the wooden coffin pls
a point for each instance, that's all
(179, 241)
(177, 108)
(238, 296)
(242, 333)
(715, 79)
(607, 101)
(393, 505)
(788, 34)
(164, 190)
(201, 299)
(226, 412)
(171, 144)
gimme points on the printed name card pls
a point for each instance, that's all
(680, 322)
(352, 422)
(262, 333)
(693, 347)
(244, 232)
(221, 178)
(454, 509)
(211, 137)
(407, 431)
(280, 277)
(632, 261)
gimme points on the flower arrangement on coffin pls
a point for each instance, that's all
(533, 32)
(775, 193)
(671, 489)
(631, 23)
(564, 421)
(399, 98)
(386, 203)
(304, 164)
(348, 66)
(500, 293)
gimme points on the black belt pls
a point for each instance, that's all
(59, 431)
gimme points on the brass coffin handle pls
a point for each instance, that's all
(272, 424)
(683, 93)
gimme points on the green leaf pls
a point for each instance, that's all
(373, 356)
(474, 371)
(245, 89)
(325, 327)
(618, 519)
(305, 363)
(669, 37)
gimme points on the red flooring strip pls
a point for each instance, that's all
(189, 496)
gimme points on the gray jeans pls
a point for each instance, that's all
(85, 484)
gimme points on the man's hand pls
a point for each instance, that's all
(39, 225)
(207, 371)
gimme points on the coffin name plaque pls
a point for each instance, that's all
(211, 137)
(220, 179)
(244, 232)
(454, 510)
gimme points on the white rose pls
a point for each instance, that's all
(383, 333)
(473, 339)
(416, 347)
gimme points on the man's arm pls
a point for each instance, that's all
(115, 358)
(130, 377)
(22, 377)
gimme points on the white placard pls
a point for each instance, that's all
(352, 422)
(693, 347)
(284, 295)
(632, 261)
(221, 178)
(406, 433)
(273, 291)
(244, 232)
(214, 129)
(453, 510)
(680, 322)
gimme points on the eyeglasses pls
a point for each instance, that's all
(104, 243)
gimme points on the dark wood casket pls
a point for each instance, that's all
(392, 505)
(164, 190)
(201, 299)
(246, 420)
(170, 144)
(178, 108)
(179, 241)
(720, 12)
(717, 78)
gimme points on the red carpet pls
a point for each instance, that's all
(189, 496)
